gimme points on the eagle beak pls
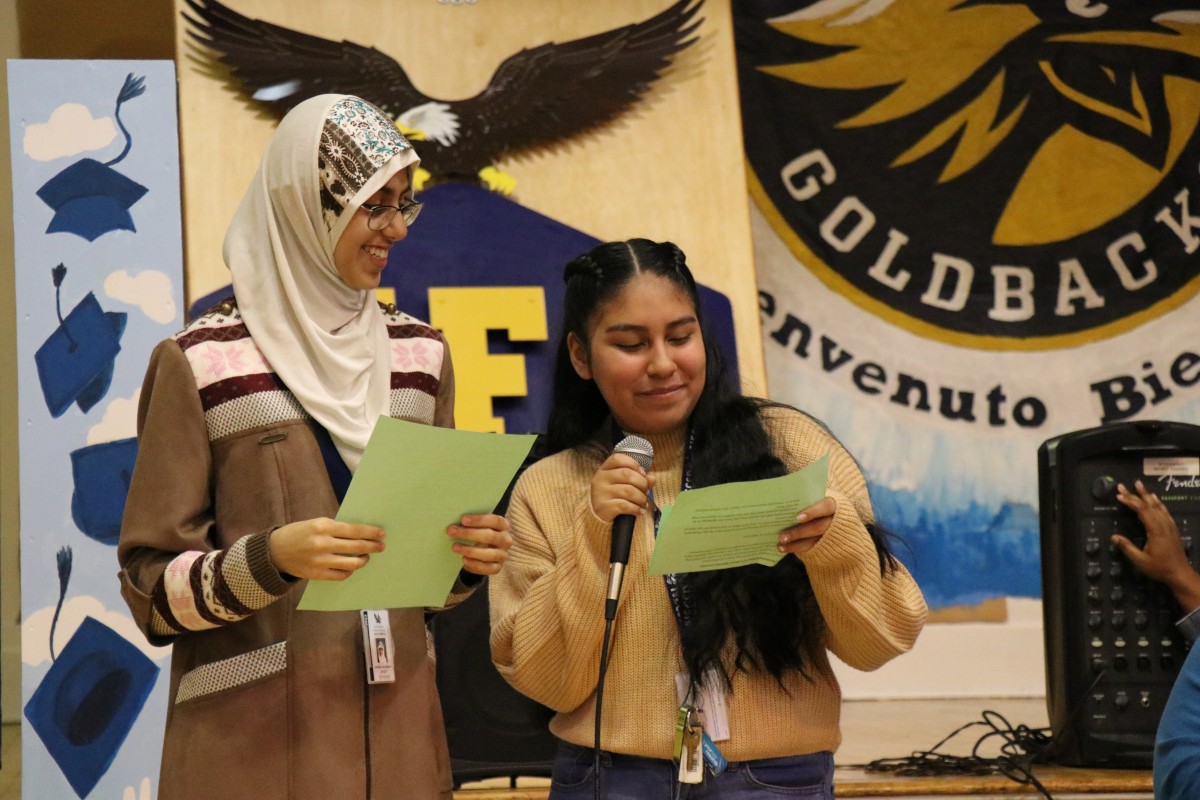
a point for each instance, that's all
(412, 134)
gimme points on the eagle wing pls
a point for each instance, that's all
(537, 97)
(541, 96)
(279, 67)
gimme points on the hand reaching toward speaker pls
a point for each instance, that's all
(1163, 557)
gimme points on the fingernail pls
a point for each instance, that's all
(782, 549)
(801, 517)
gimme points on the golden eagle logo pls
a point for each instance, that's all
(997, 169)
(538, 98)
(1116, 104)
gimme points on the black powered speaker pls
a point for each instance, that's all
(493, 730)
(1112, 649)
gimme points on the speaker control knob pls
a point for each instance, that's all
(1104, 488)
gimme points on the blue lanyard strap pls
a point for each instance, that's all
(339, 473)
(680, 591)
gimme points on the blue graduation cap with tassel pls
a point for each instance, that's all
(89, 198)
(89, 699)
(102, 473)
(75, 363)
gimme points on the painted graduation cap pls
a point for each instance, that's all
(89, 198)
(75, 363)
(85, 706)
(102, 473)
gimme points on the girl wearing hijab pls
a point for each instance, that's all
(736, 657)
(251, 422)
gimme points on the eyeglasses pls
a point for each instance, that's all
(379, 217)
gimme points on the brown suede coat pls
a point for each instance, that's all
(312, 728)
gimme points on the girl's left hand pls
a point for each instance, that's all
(811, 524)
(487, 542)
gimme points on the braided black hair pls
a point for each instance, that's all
(769, 613)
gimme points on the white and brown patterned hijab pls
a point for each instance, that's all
(327, 341)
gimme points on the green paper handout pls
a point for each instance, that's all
(734, 524)
(414, 481)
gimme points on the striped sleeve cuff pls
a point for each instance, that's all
(199, 591)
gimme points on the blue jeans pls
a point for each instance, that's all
(635, 778)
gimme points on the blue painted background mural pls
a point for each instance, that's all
(99, 281)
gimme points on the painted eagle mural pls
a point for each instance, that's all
(537, 98)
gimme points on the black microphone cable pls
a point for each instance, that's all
(1021, 747)
(599, 703)
(642, 452)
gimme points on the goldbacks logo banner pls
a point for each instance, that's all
(977, 225)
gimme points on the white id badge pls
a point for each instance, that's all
(711, 702)
(378, 647)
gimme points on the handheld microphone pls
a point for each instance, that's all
(642, 452)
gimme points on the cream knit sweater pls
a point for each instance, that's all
(547, 609)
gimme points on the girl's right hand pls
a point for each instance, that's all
(620, 486)
(323, 549)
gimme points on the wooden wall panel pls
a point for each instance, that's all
(673, 169)
(126, 29)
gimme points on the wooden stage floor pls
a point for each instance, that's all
(871, 730)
